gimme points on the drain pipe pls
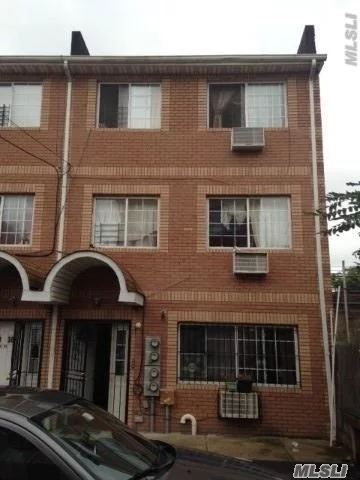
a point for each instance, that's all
(167, 418)
(319, 262)
(63, 198)
(192, 419)
(152, 415)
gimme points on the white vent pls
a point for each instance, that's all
(247, 138)
(239, 405)
(245, 262)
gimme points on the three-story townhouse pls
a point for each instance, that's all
(158, 240)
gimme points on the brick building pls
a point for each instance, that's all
(157, 236)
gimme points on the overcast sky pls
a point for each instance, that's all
(163, 27)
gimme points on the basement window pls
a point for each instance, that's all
(16, 218)
(129, 106)
(20, 105)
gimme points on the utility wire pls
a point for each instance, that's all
(26, 132)
(27, 152)
(57, 198)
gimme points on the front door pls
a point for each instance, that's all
(95, 364)
(6, 346)
(20, 349)
(74, 372)
(118, 370)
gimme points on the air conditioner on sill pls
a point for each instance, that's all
(245, 262)
(239, 405)
(252, 138)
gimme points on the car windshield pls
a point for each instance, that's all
(103, 444)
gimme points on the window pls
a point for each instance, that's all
(20, 105)
(247, 105)
(261, 222)
(129, 106)
(21, 460)
(126, 222)
(16, 217)
(215, 353)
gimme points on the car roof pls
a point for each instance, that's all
(30, 402)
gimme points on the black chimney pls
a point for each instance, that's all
(307, 43)
(78, 45)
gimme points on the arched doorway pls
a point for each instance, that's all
(96, 334)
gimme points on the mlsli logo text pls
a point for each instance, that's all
(310, 470)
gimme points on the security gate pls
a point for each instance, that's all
(95, 364)
(118, 370)
(20, 352)
(75, 360)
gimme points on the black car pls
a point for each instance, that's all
(48, 434)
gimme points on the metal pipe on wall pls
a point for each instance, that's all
(152, 415)
(60, 237)
(319, 259)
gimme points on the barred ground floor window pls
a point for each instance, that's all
(222, 352)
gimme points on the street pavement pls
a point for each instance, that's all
(279, 454)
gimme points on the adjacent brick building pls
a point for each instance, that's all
(158, 238)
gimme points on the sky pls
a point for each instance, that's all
(204, 27)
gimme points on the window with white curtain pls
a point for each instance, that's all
(16, 218)
(247, 105)
(253, 222)
(20, 104)
(126, 222)
(129, 106)
(269, 354)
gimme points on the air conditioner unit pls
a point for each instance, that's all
(247, 138)
(239, 405)
(248, 262)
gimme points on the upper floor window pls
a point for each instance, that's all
(247, 105)
(216, 353)
(126, 222)
(262, 222)
(16, 217)
(20, 105)
(129, 106)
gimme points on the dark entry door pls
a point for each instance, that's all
(86, 361)
(20, 352)
(74, 372)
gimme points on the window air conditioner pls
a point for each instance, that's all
(239, 405)
(248, 262)
(247, 138)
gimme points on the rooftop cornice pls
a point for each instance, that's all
(208, 64)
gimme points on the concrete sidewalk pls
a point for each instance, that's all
(260, 448)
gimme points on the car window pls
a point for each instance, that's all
(21, 460)
(100, 443)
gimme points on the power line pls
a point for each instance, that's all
(23, 130)
(27, 152)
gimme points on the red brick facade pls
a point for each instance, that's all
(182, 280)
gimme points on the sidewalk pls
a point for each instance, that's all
(260, 448)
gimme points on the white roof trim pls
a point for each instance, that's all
(6, 258)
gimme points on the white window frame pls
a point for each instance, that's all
(129, 103)
(12, 85)
(284, 84)
(247, 198)
(126, 198)
(17, 245)
(261, 327)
